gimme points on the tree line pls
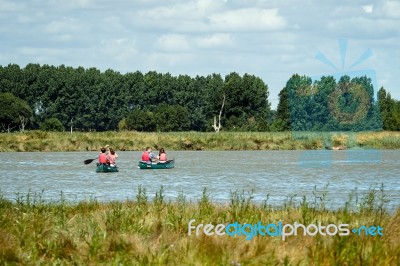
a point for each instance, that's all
(327, 104)
(66, 98)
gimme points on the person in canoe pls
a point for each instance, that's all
(107, 147)
(162, 156)
(103, 157)
(148, 155)
(108, 151)
(112, 157)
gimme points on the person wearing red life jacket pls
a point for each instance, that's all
(103, 157)
(148, 155)
(162, 155)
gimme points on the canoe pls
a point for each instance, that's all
(159, 165)
(104, 168)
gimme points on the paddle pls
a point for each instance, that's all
(88, 161)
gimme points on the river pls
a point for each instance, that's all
(276, 175)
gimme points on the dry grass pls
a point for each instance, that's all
(340, 139)
(139, 231)
(380, 140)
(126, 140)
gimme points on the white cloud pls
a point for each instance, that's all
(164, 61)
(173, 43)
(188, 10)
(30, 51)
(71, 4)
(248, 19)
(63, 37)
(65, 25)
(391, 9)
(118, 49)
(363, 27)
(113, 23)
(368, 8)
(218, 39)
(211, 16)
(42, 55)
(10, 6)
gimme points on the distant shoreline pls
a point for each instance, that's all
(30, 141)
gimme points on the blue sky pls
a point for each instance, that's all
(270, 39)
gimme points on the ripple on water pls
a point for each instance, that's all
(278, 174)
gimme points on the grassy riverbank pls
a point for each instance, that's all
(78, 141)
(155, 232)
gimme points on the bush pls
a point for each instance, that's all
(122, 125)
(140, 120)
(172, 118)
(52, 124)
(14, 112)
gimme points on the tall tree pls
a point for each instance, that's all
(300, 100)
(389, 110)
(171, 118)
(282, 117)
(14, 112)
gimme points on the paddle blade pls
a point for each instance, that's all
(88, 161)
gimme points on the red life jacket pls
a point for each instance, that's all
(145, 156)
(102, 158)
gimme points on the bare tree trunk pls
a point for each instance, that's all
(217, 128)
(71, 125)
(9, 128)
(23, 123)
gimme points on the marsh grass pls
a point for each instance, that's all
(143, 231)
(380, 140)
(134, 141)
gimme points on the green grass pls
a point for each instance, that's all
(134, 141)
(154, 231)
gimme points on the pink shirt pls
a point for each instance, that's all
(163, 157)
(112, 158)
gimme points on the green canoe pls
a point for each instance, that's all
(160, 165)
(104, 168)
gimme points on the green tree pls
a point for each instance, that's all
(213, 94)
(13, 112)
(282, 117)
(356, 105)
(140, 120)
(329, 106)
(300, 93)
(52, 124)
(191, 94)
(246, 107)
(171, 118)
(389, 110)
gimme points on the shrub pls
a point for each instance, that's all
(52, 124)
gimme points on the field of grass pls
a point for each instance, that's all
(153, 231)
(126, 140)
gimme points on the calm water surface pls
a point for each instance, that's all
(277, 175)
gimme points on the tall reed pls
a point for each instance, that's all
(134, 141)
(141, 231)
